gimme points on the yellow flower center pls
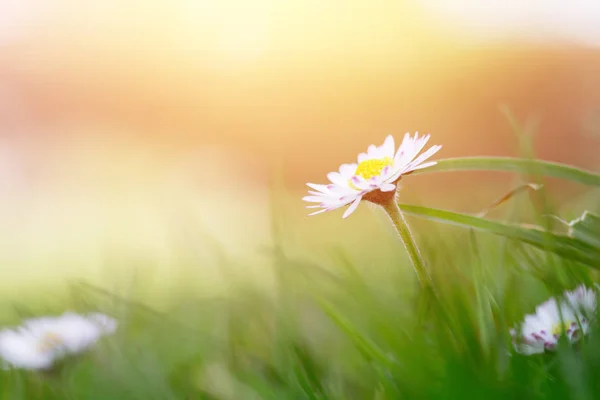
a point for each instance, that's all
(49, 342)
(559, 328)
(370, 168)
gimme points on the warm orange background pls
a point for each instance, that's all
(119, 106)
(312, 82)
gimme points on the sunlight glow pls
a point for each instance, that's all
(543, 20)
(16, 17)
(236, 30)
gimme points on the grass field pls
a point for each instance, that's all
(326, 309)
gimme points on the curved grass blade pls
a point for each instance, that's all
(511, 164)
(566, 246)
(504, 198)
(586, 228)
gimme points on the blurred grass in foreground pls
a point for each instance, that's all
(330, 311)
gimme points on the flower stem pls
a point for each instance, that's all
(399, 222)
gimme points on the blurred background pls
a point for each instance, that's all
(128, 126)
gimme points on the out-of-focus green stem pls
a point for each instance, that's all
(399, 222)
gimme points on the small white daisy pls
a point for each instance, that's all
(39, 342)
(374, 177)
(542, 330)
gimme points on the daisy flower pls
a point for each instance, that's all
(374, 177)
(569, 317)
(39, 342)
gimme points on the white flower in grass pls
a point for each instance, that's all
(582, 300)
(39, 342)
(106, 324)
(374, 177)
(554, 318)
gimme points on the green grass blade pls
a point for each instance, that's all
(587, 228)
(565, 246)
(363, 344)
(510, 164)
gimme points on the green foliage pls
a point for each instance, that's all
(519, 165)
(335, 328)
(580, 245)
(587, 229)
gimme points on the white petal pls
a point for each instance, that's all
(547, 312)
(533, 324)
(20, 350)
(337, 179)
(363, 157)
(329, 203)
(373, 151)
(430, 152)
(386, 173)
(313, 199)
(352, 207)
(422, 166)
(359, 182)
(388, 147)
(318, 212)
(348, 170)
(319, 188)
(77, 332)
(582, 299)
(337, 190)
(416, 148)
(405, 146)
(342, 188)
(387, 187)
